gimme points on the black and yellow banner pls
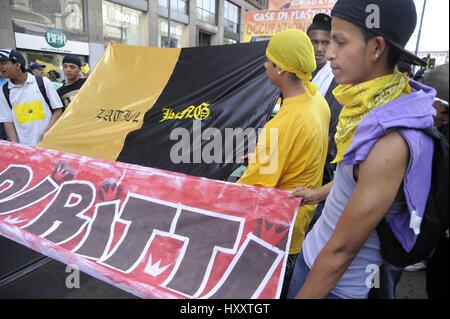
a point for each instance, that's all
(138, 99)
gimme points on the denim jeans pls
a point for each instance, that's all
(290, 264)
(316, 216)
(299, 276)
(390, 276)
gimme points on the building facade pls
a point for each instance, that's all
(46, 30)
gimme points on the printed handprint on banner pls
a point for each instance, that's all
(61, 173)
(110, 191)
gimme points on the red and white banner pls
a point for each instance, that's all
(153, 233)
(282, 15)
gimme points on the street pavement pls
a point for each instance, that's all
(412, 285)
(49, 281)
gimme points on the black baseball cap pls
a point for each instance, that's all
(321, 21)
(397, 21)
(13, 56)
(36, 66)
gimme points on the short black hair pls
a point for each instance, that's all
(294, 77)
(404, 67)
(393, 54)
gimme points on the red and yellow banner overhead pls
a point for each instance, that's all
(153, 233)
(263, 24)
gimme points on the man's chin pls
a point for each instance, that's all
(321, 62)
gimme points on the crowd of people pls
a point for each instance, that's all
(376, 160)
(31, 103)
(351, 143)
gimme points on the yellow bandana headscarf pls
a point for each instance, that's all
(292, 51)
(358, 100)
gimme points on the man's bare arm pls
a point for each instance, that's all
(55, 116)
(10, 131)
(312, 196)
(380, 178)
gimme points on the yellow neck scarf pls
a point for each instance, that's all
(358, 100)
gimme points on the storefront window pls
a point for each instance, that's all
(178, 34)
(231, 16)
(64, 15)
(123, 25)
(207, 11)
(50, 26)
(37, 16)
(179, 6)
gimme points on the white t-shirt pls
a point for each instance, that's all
(31, 114)
(324, 78)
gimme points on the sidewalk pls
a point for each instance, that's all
(49, 282)
(412, 285)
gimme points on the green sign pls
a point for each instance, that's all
(55, 38)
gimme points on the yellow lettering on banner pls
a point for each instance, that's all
(200, 113)
(102, 114)
(29, 112)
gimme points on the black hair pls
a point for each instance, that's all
(22, 67)
(294, 77)
(393, 54)
(404, 67)
(317, 27)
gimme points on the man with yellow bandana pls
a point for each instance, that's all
(26, 113)
(292, 149)
(384, 157)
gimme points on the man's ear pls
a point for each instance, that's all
(377, 48)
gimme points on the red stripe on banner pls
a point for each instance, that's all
(153, 233)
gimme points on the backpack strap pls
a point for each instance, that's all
(41, 85)
(6, 92)
(433, 132)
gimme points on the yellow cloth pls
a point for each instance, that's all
(358, 100)
(292, 51)
(90, 121)
(85, 69)
(48, 66)
(29, 112)
(298, 160)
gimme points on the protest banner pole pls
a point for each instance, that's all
(420, 27)
(168, 24)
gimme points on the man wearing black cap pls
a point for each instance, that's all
(74, 82)
(384, 157)
(37, 69)
(320, 34)
(29, 105)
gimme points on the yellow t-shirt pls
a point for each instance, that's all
(296, 157)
